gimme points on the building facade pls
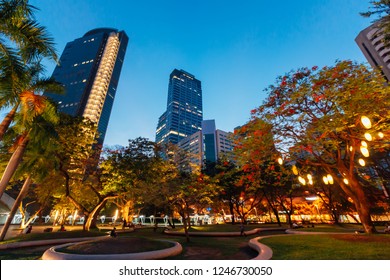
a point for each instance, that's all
(184, 114)
(370, 42)
(208, 145)
(90, 68)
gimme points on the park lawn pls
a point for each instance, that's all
(329, 247)
(54, 235)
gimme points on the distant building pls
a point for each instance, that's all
(184, 113)
(207, 145)
(89, 68)
(370, 41)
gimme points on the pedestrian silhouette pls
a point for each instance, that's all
(113, 232)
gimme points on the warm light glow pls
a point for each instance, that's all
(368, 136)
(302, 180)
(366, 122)
(325, 179)
(280, 161)
(351, 149)
(381, 135)
(362, 162)
(75, 215)
(364, 144)
(330, 179)
(346, 181)
(364, 151)
(312, 198)
(56, 215)
(310, 179)
(116, 215)
(294, 170)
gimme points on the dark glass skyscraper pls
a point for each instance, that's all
(184, 113)
(89, 69)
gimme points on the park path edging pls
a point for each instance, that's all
(52, 254)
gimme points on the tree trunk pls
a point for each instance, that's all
(18, 200)
(91, 220)
(231, 209)
(13, 164)
(185, 225)
(7, 121)
(359, 198)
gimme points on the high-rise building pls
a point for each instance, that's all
(370, 42)
(89, 68)
(184, 113)
(208, 145)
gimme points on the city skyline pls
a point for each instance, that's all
(235, 50)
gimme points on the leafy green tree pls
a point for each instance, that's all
(135, 171)
(316, 116)
(226, 175)
(72, 174)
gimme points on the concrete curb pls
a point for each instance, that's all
(52, 254)
(222, 234)
(265, 252)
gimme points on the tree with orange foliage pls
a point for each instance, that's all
(316, 118)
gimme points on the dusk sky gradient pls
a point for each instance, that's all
(236, 49)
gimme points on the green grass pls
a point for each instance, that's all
(330, 247)
(350, 228)
(54, 235)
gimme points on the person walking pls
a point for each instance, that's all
(242, 230)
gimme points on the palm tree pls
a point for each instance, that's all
(22, 42)
(36, 164)
(29, 129)
(18, 26)
(23, 93)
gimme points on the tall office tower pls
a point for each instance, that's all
(208, 145)
(89, 69)
(184, 114)
(370, 42)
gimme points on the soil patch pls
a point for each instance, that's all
(118, 245)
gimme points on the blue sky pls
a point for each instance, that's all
(236, 48)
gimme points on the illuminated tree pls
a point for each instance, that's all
(316, 116)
